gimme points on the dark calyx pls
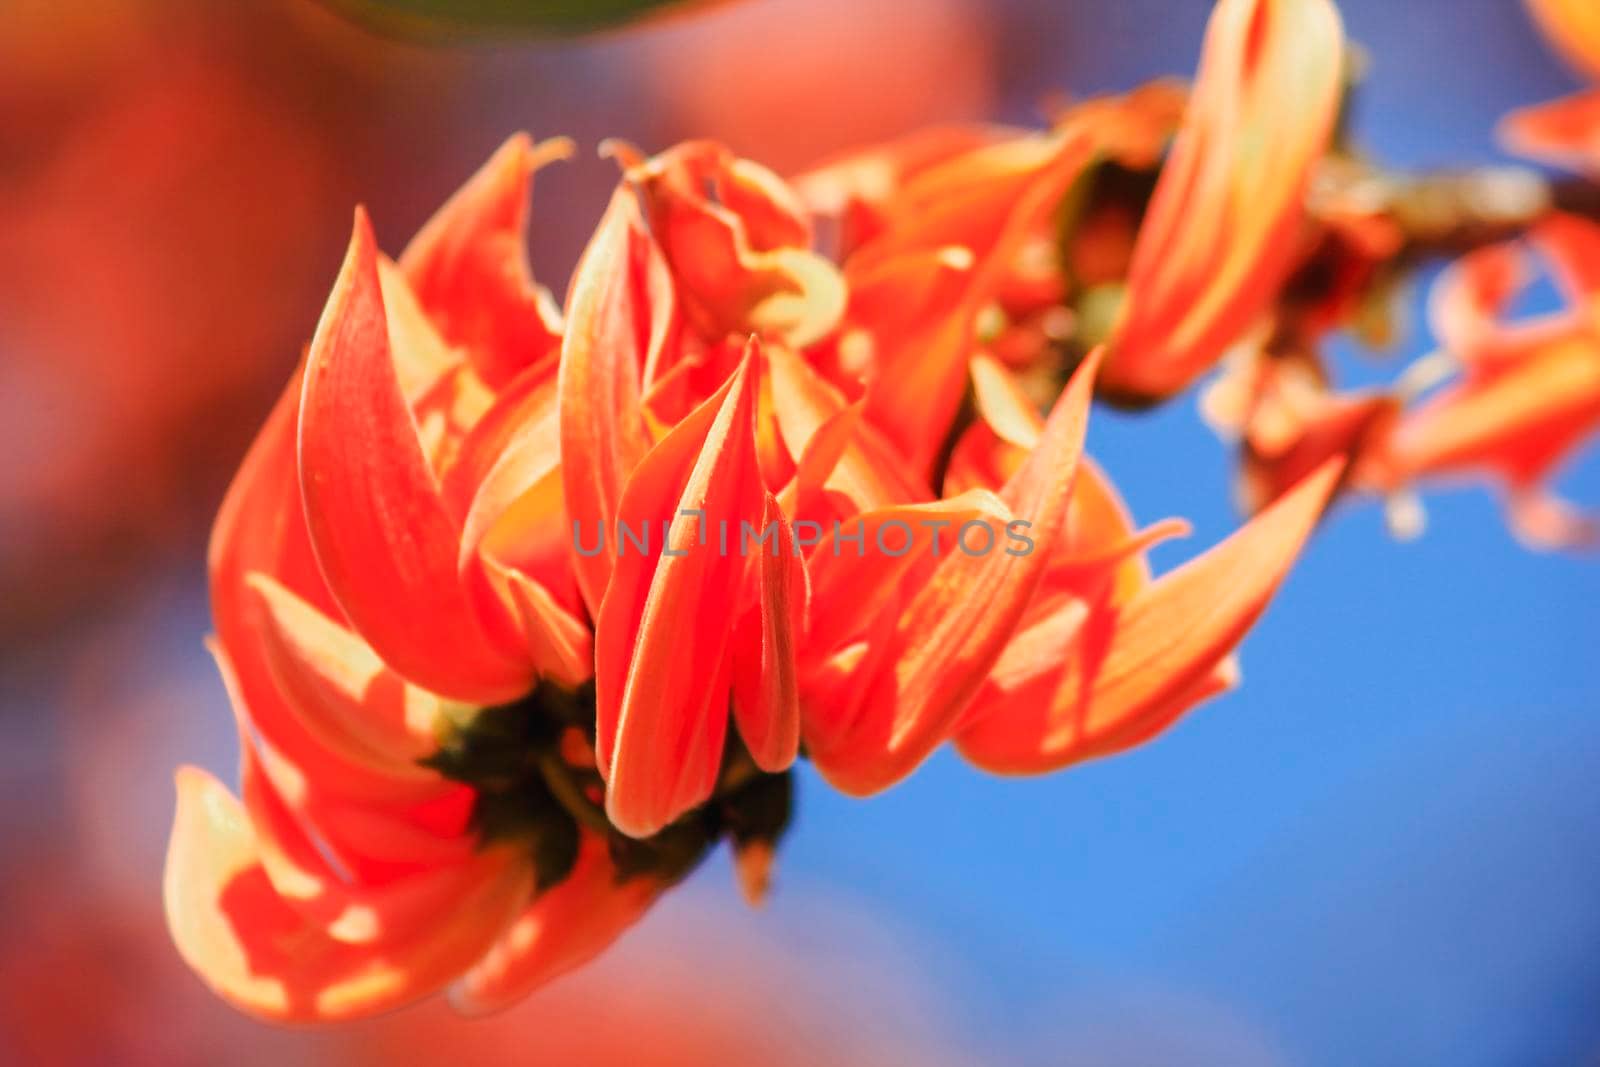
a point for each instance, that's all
(528, 792)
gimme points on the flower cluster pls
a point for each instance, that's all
(1507, 401)
(478, 743)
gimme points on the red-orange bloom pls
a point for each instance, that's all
(1528, 393)
(1573, 26)
(1104, 657)
(360, 592)
(522, 612)
(1225, 224)
(1288, 421)
(1565, 131)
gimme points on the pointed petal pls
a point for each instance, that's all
(602, 431)
(469, 266)
(1520, 420)
(863, 566)
(261, 528)
(1135, 666)
(953, 631)
(766, 696)
(382, 535)
(663, 634)
(869, 470)
(1564, 132)
(560, 644)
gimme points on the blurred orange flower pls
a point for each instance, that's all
(1528, 393)
(1573, 26)
(1565, 131)
(1226, 220)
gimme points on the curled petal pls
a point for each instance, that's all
(343, 691)
(742, 260)
(382, 534)
(1130, 669)
(469, 266)
(1225, 221)
(564, 928)
(260, 955)
(1470, 296)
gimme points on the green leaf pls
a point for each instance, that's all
(433, 17)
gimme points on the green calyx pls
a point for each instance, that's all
(530, 794)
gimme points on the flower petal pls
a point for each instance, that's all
(343, 691)
(955, 628)
(469, 266)
(257, 953)
(1564, 132)
(610, 316)
(1131, 668)
(382, 535)
(1222, 230)
(1573, 26)
(766, 695)
(564, 928)
(261, 528)
(663, 633)
(987, 202)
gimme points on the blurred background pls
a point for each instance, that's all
(1385, 849)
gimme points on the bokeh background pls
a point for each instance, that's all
(1385, 849)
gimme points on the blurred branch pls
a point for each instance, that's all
(434, 18)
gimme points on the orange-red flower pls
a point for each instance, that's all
(359, 594)
(1104, 657)
(1528, 393)
(931, 229)
(1288, 421)
(521, 611)
(1226, 221)
(1565, 131)
(1573, 26)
